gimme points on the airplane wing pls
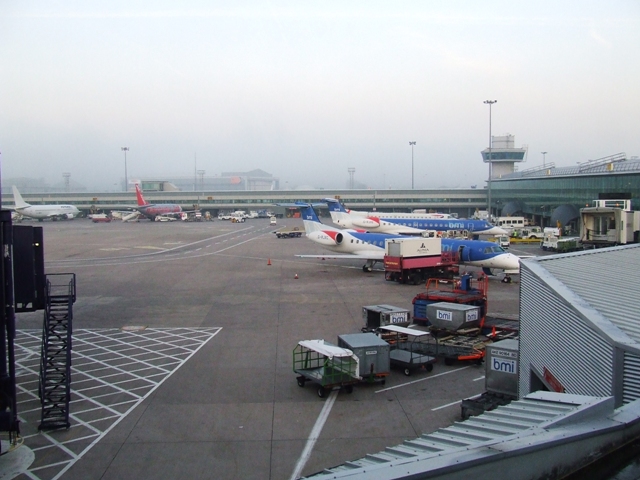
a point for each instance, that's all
(349, 256)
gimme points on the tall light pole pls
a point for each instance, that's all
(544, 155)
(489, 102)
(412, 144)
(126, 179)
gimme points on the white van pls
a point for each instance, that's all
(272, 221)
(503, 241)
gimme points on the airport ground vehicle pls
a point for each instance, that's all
(411, 349)
(325, 364)
(527, 232)
(273, 221)
(464, 290)
(503, 241)
(100, 218)
(414, 260)
(289, 232)
(458, 330)
(560, 244)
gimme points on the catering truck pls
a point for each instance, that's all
(414, 260)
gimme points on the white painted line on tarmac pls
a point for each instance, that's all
(315, 433)
(479, 378)
(445, 406)
(422, 379)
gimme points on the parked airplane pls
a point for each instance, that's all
(151, 210)
(371, 246)
(406, 223)
(41, 212)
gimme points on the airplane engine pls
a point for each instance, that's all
(329, 238)
(69, 216)
(365, 222)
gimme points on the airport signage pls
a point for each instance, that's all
(398, 317)
(504, 365)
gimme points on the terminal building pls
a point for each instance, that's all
(545, 194)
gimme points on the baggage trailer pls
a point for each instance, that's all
(294, 232)
(463, 348)
(411, 349)
(414, 260)
(465, 290)
(325, 364)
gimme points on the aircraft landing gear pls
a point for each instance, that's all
(506, 279)
(367, 268)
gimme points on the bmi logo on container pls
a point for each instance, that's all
(504, 365)
(444, 315)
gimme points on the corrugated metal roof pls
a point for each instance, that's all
(606, 279)
(505, 423)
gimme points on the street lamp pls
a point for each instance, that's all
(126, 180)
(544, 154)
(489, 102)
(412, 144)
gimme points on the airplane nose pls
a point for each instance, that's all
(513, 261)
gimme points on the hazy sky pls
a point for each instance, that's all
(307, 89)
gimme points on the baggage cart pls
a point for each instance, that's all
(461, 347)
(410, 349)
(326, 365)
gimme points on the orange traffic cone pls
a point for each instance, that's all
(493, 331)
(269, 262)
(296, 277)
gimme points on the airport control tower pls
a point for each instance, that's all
(503, 155)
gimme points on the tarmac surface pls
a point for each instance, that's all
(182, 356)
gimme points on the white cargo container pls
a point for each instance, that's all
(453, 316)
(413, 247)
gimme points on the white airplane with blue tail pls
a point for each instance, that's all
(406, 223)
(350, 244)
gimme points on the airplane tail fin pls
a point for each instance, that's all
(141, 201)
(339, 215)
(311, 221)
(335, 205)
(17, 198)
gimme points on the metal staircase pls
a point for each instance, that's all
(55, 362)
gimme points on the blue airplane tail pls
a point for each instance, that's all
(309, 217)
(334, 205)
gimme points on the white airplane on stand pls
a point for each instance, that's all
(42, 212)
(406, 223)
(350, 244)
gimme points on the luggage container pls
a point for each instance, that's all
(376, 316)
(453, 316)
(501, 379)
(410, 349)
(372, 353)
(325, 364)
